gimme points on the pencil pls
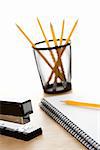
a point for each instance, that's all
(76, 103)
(62, 32)
(58, 49)
(33, 45)
(67, 40)
(47, 42)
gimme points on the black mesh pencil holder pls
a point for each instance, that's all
(54, 66)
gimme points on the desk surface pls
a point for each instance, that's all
(54, 137)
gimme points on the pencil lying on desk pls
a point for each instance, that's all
(76, 103)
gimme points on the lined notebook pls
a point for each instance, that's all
(82, 123)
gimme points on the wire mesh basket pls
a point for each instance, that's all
(55, 73)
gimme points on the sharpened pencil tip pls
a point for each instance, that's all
(51, 25)
(77, 20)
(37, 19)
(17, 26)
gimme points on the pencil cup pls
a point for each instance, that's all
(55, 71)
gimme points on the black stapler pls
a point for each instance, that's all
(15, 119)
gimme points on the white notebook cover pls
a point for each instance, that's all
(88, 119)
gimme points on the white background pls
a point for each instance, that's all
(18, 72)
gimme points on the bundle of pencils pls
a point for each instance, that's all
(57, 69)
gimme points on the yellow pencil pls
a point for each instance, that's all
(58, 49)
(62, 32)
(47, 42)
(67, 40)
(76, 103)
(33, 45)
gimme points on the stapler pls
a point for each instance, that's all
(15, 119)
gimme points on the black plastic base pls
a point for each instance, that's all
(20, 135)
(49, 89)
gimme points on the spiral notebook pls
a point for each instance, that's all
(82, 123)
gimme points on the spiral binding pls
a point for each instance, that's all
(68, 125)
